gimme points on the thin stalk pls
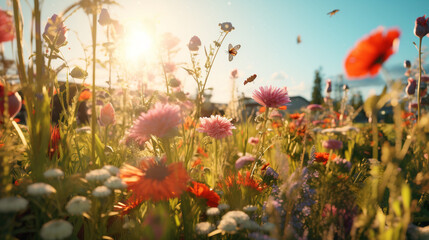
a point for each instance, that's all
(374, 136)
(93, 109)
(39, 54)
(261, 147)
(420, 78)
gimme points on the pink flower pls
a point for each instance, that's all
(243, 161)
(169, 41)
(7, 29)
(107, 115)
(276, 114)
(253, 140)
(14, 101)
(169, 67)
(421, 27)
(411, 87)
(104, 18)
(55, 31)
(332, 144)
(194, 43)
(328, 88)
(425, 78)
(270, 96)
(160, 121)
(234, 74)
(216, 126)
(314, 107)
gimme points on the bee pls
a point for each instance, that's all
(332, 13)
(250, 79)
(298, 39)
(232, 51)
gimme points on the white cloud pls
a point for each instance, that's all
(279, 76)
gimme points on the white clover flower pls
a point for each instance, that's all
(129, 224)
(115, 183)
(97, 175)
(12, 204)
(56, 229)
(203, 228)
(53, 173)
(238, 216)
(40, 189)
(228, 225)
(223, 206)
(112, 169)
(101, 191)
(78, 205)
(213, 211)
(250, 208)
(268, 227)
(250, 225)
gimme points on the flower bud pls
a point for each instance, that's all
(14, 101)
(407, 64)
(194, 43)
(411, 87)
(55, 31)
(328, 88)
(78, 72)
(421, 27)
(107, 115)
(174, 82)
(104, 18)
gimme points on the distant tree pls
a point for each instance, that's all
(316, 96)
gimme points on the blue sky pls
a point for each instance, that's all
(267, 31)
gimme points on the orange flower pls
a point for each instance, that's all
(155, 180)
(261, 109)
(125, 208)
(243, 181)
(197, 162)
(323, 157)
(296, 115)
(85, 95)
(370, 53)
(283, 108)
(201, 190)
(201, 151)
(189, 123)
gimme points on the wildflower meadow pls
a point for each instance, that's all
(137, 156)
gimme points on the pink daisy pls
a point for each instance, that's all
(332, 144)
(159, 121)
(314, 107)
(270, 96)
(216, 126)
(243, 161)
(253, 140)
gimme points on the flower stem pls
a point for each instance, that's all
(261, 147)
(420, 78)
(94, 62)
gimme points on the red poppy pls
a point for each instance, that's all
(283, 108)
(85, 95)
(125, 208)
(323, 157)
(200, 190)
(367, 57)
(54, 143)
(261, 109)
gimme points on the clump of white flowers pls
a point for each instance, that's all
(40, 189)
(250, 208)
(203, 228)
(114, 182)
(238, 216)
(78, 205)
(12, 204)
(97, 175)
(53, 173)
(213, 211)
(112, 169)
(56, 229)
(228, 225)
(101, 191)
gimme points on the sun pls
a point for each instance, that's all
(137, 44)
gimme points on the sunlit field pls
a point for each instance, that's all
(116, 129)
